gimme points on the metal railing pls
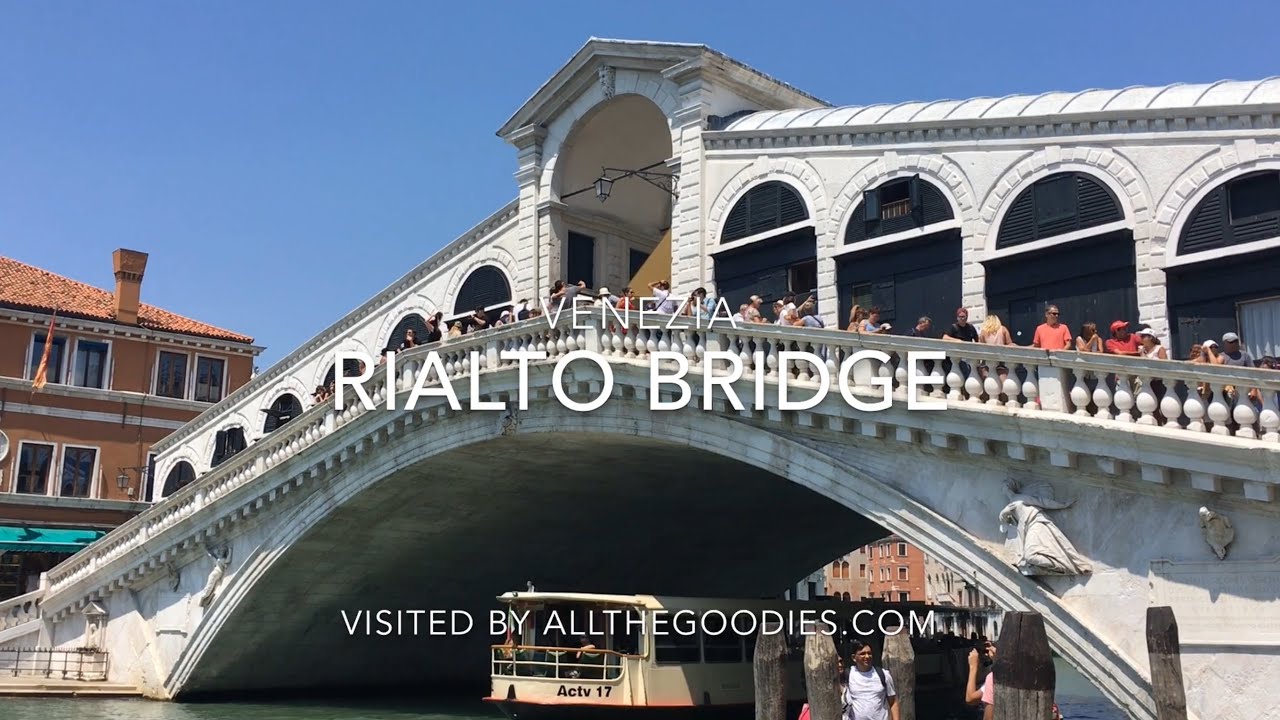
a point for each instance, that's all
(556, 662)
(74, 664)
(901, 208)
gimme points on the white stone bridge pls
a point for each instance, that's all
(444, 508)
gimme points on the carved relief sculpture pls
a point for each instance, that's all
(220, 562)
(1217, 531)
(606, 76)
(1042, 549)
(175, 576)
(511, 422)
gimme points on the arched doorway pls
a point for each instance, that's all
(285, 408)
(180, 476)
(1091, 277)
(901, 254)
(1214, 288)
(769, 247)
(350, 368)
(607, 241)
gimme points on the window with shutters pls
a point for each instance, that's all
(1243, 210)
(350, 368)
(1056, 205)
(862, 298)
(765, 207)
(803, 277)
(580, 259)
(180, 476)
(414, 322)
(486, 286)
(285, 408)
(897, 206)
(227, 443)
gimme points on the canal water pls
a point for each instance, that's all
(1077, 699)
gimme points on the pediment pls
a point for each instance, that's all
(581, 72)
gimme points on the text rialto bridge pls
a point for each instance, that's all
(237, 581)
(1152, 206)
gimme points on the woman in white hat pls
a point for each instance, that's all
(1149, 345)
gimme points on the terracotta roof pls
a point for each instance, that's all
(25, 287)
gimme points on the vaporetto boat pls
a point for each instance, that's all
(585, 655)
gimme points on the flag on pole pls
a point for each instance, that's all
(42, 371)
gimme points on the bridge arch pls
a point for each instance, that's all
(713, 436)
(180, 475)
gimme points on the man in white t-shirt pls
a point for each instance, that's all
(870, 694)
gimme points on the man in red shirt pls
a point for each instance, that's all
(1122, 342)
(1052, 335)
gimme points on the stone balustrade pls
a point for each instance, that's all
(21, 609)
(1129, 394)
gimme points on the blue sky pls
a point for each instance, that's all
(283, 161)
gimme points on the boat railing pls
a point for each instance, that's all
(537, 661)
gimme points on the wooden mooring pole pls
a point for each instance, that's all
(1165, 654)
(899, 658)
(771, 675)
(822, 684)
(1024, 674)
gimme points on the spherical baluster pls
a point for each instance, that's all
(900, 377)
(1123, 399)
(1080, 395)
(973, 385)
(992, 386)
(1171, 409)
(1011, 387)
(1269, 418)
(1031, 391)
(651, 341)
(770, 358)
(955, 380)
(1102, 399)
(571, 342)
(1219, 413)
(1244, 414)
(1146, 402)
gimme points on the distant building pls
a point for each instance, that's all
(120, 375)
(895, 571)
(846, 577)
(944, 586)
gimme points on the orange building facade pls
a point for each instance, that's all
(895, 570)
(120, 375)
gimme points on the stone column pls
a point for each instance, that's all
(687, 216)
(530, 252)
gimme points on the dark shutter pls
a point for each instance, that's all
(764, 208)
(285, 408)
(179, 477)
(1207, 227)
(871, 206)
(882, 296)
(913, 195)
(484, 287)
(580, 261)
(219, 448)
(412, 321)
(1057, 205)
(1243, 210)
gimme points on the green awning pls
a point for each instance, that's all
(38, 539)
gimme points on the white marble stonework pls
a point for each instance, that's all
(286, 513)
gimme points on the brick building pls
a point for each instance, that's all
(846, 577)
(895, 570)
(121, 374)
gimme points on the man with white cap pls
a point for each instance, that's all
(1232, 354)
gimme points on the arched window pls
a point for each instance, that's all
(1057, 205)
(285, 408)
(1238, 211)
(412, 321)
(835, 569)
(485, 287)
(844, 570)
(897, 206)
(227, 443)
(179, 477)
(765, 207)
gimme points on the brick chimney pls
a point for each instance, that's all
(129, 266)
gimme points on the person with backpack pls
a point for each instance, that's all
(869, 694)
